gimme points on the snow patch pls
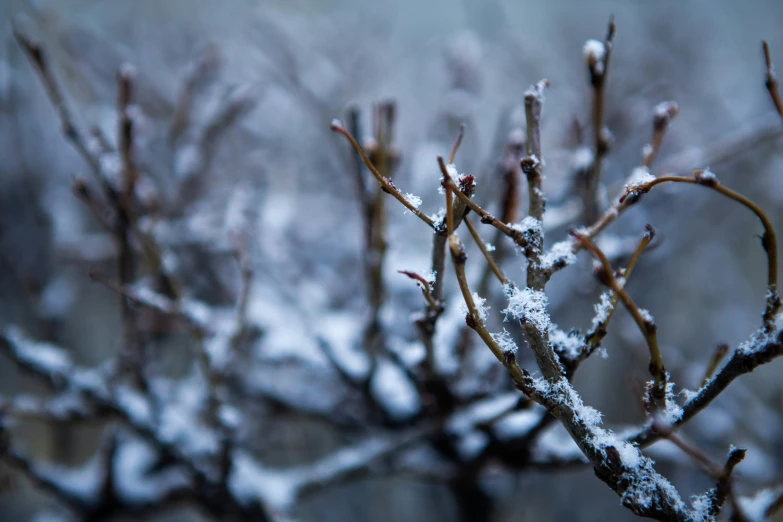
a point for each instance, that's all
(481, 307)
(561, 253)
(527, 305)
(505, 342)
(414, 200)
(639, 176)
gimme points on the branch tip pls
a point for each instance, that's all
(457, 144)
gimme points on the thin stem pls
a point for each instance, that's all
(533, 167)
(372, 259)
(424, 285)
(246, 282)
(457, 143)
(386, 184)
(486, 217)
(599, 70)
(534, 103)
(381, 155)
(772, 81)
(449, 210)
(594, 337)
(646, 325)
(38, 58)
(694, 453)
(510, 170)
(724, 486)
(765, 349)
(474, 319)
(768, 240)
(664, 113)
(717, 357)
(483, 247)
(125, 86)
(85, 192)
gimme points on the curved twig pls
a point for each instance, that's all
(386, 184)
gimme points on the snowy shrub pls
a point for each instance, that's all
(274, 330)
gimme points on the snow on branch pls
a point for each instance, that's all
(298, 342)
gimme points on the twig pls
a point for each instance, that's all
(664, 113)
(772, 81)
(454, 215)
(122, 203)
(763, 349)
(693, 452)
(105, 215)
(386, 184)
(643, 321)
(474, 319)
(718, 495)
(354, 125)
(382, 155)
(426, 324)
(768, 241)
(235, 101)
(423, 284)
(723, 487)
(596, 335)
(125, 78)
(486, 217)
(199, 325)
(372, 258)
(511, 172)
(483, 247)
(457, 143)
(533, 166)
(706, 179)
(717, 357)
(38, 58)
(449, 207)
(341, 465)
(598, 66)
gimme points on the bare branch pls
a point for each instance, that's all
(720, 353)
(723, 487)
(386, 183)
(457, 143)
(423, 284)
(533, 166)
(475, 319)
(663, 115)
(600, 329)
(761, 349)
(486, 217)
(772, 81)
(483, 247)
(598, 55)
(39, 59)
(706, 178)
(643, 320)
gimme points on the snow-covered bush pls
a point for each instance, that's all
(219, 343)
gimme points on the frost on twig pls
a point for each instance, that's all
(528, 306)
